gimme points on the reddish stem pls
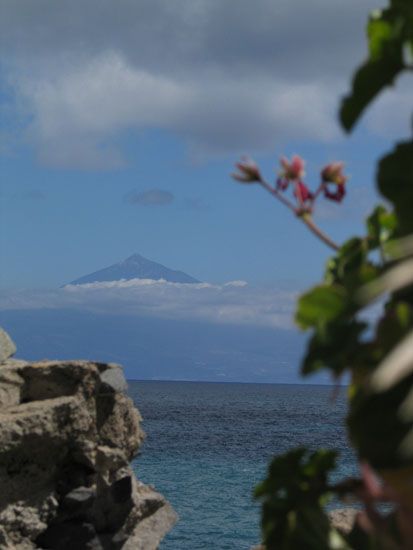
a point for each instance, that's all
(320, 188)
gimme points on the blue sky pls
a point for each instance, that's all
(122, 121)
(95, 113)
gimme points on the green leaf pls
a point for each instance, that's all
(399, 248)
(376, 428)
(384, 30)
(320, 305)
(336, 347)
(368, 82)
(394, 279)
(380, 226)
(392, 327)
(293, 496)
(388, 32)
(397, 365)
(350, 268)
(395, 181)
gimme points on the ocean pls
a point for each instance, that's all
(208, 444)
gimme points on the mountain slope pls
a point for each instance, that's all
(135, 267)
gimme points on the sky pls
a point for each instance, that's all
(122, 121)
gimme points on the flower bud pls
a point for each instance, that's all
(333, 173)
(248, 171)
(293, 170)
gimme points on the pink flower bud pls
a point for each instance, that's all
(293, 170)
(333, 173)
(248, 171)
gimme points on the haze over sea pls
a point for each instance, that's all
(208, 444)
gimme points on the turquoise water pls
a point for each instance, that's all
(208, 444)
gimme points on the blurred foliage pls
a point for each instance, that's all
(361, 322)
(293, 496)
(390, 41)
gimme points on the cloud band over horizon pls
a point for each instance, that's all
(234, 302)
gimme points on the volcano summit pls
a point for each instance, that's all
(135, 267)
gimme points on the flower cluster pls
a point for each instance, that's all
(332, 185)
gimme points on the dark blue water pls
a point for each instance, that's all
(208, 444)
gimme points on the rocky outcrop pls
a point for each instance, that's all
(67, 435)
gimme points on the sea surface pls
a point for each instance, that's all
(208, 444)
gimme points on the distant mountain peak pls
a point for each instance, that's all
(135, 267)
(135, 259)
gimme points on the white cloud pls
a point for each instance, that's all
(133, 283)
(224, 76)
(81, 108)
(234, 302)
(76, 114)
(239, 284)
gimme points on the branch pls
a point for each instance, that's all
(305, 218)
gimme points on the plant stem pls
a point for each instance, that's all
(304, 218)
(278, 195)
(320, 234)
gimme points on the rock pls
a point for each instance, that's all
(149, 532)
(7, 347)
(50, 379)
(22, 521)
(109, 460)
(68, 536)
(68, 433)
(118, 423)
(113, 504)
(114, 379)
(11, 386)
(121, 490)
(79, 501)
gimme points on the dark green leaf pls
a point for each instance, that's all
(350, 268)
(292, 496)
(380, 226)
(395, 181)
(336, 347)
(376, 429)
(368, 82)
(320, 305)
(388, 32)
